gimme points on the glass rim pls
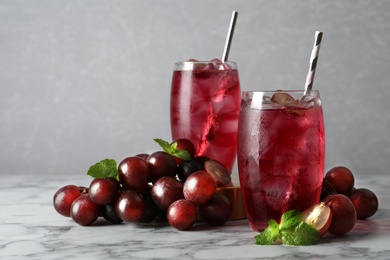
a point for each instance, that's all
(205, 62)
(189, 65)
(281, 91)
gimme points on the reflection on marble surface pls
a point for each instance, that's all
(31, 229)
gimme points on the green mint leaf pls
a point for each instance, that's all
(269, 235)
(174, 146)
(104, 169)
(302, 235)
(172, 149)
(182, 154)
(164, 145)
(290, 219)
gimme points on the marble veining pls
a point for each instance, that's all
(31, 229)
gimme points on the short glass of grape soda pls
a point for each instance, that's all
(280, 153)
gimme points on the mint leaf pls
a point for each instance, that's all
(182, 154)
(164, 145)
(291, 231)
(174, 146)
(290, 219)
(269, 235)
(172, 149)
(104, 169)
(302, 235)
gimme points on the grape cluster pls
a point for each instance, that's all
(148, 187)
(341, 203)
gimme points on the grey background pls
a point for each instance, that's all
(85, 80)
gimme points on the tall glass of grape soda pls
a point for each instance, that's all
(204, 107)
(281, 150)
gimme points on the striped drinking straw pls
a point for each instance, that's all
(313, 61)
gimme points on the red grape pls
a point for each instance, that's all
(144, 156)
(341, 178)
(343, 214)
(181, 214)
(216, 211)
(161, 164)
(134, 173)
(365, 202)
(165, 191)
(186, 168)
(104, 191)
(64, 198)
(109, 213)
(130, 206)
(151, 210)
(202, 160)
(199, 187)
(84, 211)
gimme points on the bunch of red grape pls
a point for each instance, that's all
(148, 187)
(341, 203)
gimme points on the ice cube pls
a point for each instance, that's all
(307, 101)
(288, 162)
(218, 99)
(279, 192)
(224, 104)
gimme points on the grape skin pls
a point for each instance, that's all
(182, 214)
(104, 191)
(109, 213)
(341, 178)
(84, 211)
(161, 164)
(133, 173)
(186, 168)
(199, 187)
(216, 211)
(64, 197)
(165, 191)
(130, 206)
(343, 214)
(365, 202)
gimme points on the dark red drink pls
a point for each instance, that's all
(205, 103)
(281, 150)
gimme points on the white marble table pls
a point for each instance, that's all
(31, 229)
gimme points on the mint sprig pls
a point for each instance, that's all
(172, 149)
(291, 231)
(106, 168)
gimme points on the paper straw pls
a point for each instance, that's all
(229, 36)
(313, 61)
